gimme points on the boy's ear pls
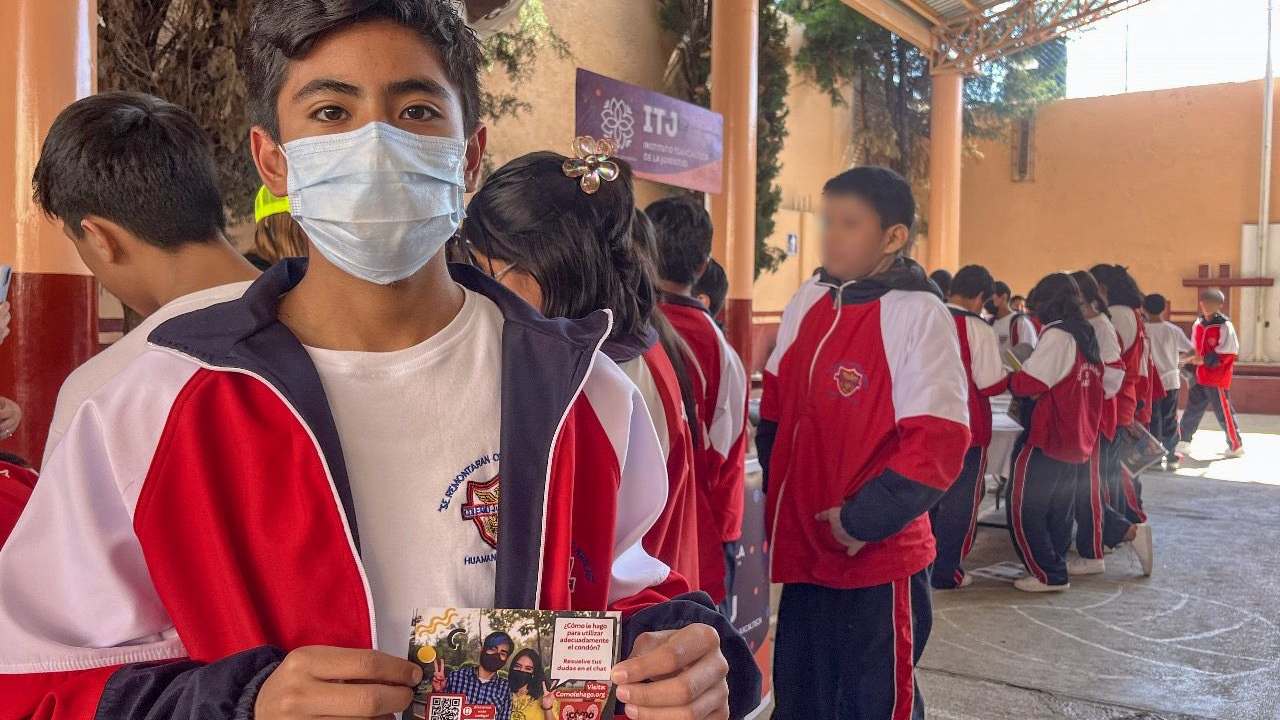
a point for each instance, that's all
(476, 145)
(272, 165)
(103, 239)
(898, 237)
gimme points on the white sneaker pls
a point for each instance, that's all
(1086, 566)
(1183, 448)
(966, 582)
(1144, 547)
(1237, 452)
(1032, 584)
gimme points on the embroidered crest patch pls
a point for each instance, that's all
(848, 380)
(481, 508)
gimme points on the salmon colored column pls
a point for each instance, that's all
(47, 53)
(946, 140)
(734, 34)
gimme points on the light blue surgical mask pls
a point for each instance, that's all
(377, 202)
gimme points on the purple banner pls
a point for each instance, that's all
(666, 140)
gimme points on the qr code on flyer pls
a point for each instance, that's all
(445, 707)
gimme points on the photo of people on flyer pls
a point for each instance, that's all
(499, 664)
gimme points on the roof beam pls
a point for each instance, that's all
(922, 8)
(900, 22)
(975, 39)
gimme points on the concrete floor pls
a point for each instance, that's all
(1198, 639)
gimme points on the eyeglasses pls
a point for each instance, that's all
(468, 252)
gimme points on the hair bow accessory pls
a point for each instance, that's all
(592, 163)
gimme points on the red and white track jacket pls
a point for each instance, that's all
(16, 484)
(720, 398)
(1133, 350)
(870, 400)
(196, 521)
(1215, 340)
(673, 539)
(1112, 371)
(1067, 388)
(980, 351)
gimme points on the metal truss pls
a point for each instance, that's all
(979, 36)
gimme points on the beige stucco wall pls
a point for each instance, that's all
(623, 40)
(618, 39)
(1159, 181)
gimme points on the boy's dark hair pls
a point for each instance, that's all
(942, 279)
(999, 287)
(973, 281)
(715, 285)
(1155, 304)
(1121, 288)
(887, 191)
(136, 160)
(284, 30)
(684, 233)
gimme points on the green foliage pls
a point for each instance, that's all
(514, 51)
(689, 75)
(852, 58)
(185, 51)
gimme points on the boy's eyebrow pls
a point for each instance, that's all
(423, 85)
(322, 85)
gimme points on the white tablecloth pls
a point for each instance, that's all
(1004, 433)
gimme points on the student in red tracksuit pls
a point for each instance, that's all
(683, 237)
(1098, 524)
(1216, 349)
(239, 523)
(955, 517)
(1125, 307)
(864, 427)
(567, 252)
(1063, 381)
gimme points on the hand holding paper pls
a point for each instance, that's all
(675, 674)
(318, 681)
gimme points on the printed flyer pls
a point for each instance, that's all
(493, 664)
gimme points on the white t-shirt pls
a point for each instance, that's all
(1004, 331)
(86, 380)
(1166, 341)
(420, 435)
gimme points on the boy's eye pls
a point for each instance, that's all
(419, 112)
(330, 113)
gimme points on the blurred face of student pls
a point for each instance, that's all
(1001, 302)
(855, 243)
(1018, 305)
(340, 86)
(1210, 307)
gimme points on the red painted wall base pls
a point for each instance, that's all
(54, 330)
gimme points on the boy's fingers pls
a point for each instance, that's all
(357, 700)
(680, 690)
(681, 649)
(332, 663)
(711, 705)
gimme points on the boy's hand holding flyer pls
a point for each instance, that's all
(499, 664)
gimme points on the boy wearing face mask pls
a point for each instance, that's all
(264, 495)
(864, 427)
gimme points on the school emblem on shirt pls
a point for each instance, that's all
(848, 380)
(481, 508)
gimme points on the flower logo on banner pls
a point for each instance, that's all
(617, 122)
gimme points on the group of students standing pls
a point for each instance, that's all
(1092, 366)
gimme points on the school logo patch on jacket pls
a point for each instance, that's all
(481, 508)
(848, 380)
